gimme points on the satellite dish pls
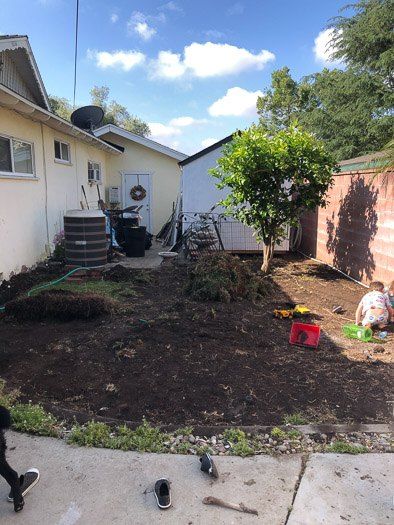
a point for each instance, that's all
(87, 117)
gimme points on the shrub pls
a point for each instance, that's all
(60, 305)
(225, 278)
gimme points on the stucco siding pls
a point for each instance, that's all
(31, 211)
(164, 170)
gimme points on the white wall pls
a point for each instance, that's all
(31, 209)
(200, 194)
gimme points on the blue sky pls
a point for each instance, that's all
(192, 69)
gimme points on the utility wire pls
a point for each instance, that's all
(76, 51)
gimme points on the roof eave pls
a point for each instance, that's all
(11, 100)
(143, 141)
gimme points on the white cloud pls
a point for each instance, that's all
(237, 102)
(322, 49)
(208, 60)
(171, 6)
(138, 24)
(161, 132)
(236, 9)
(186, 121)
(145, 32)
(114, 18)
(208, 142)
(125, 60)
(168, 65)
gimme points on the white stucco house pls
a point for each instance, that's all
(46, 162)
(200, 194)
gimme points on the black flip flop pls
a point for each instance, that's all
(208, 466)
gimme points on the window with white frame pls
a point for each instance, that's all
(94, 171)
(16, 157)
(62, 151)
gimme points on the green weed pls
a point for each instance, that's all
(341, 447)
(294, 419)
(34, 419)
(278, 433)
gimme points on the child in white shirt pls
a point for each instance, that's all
(374, 307)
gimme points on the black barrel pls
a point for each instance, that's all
(135, 241)
(85, 239)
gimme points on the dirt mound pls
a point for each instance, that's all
(60, 305)
(118, 274)
(225, 278)
(24, 281)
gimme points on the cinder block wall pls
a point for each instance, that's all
(355, 232)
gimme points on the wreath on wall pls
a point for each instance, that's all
(138, 193)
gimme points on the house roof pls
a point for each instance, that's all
(364, 162)
(26, 64)
(144, 141)
(11, 100)
(205, 150)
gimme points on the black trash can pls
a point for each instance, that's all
(135, 241)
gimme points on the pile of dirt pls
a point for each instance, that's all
(59, 305)
(24, 281)
(225, 278)
(118, 274)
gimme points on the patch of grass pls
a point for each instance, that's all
(293, 434)
(278, 433)
(27, 417)
(183, 431)
(225, 278)
(144, 438)
(294, 419)
(242, 448)
(234, 435)
(34, 420)
(342, 447)
(108, 289)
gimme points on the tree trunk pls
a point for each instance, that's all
(268, 253)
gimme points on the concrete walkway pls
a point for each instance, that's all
(152, 258)
(94, 486)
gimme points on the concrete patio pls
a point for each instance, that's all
(152, 258)
(95, 486)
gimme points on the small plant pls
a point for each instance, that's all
(34, 419)
(234, 435)
(278, 433)
(341, 447)
(59, 251)
(293, 434)
(294, 419)
(93, 434)
(183, 431)
(242, 448)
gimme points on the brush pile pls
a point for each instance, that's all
(225, 278)
(59, 305)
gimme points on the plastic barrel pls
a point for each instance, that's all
(135, 241)
(85, 239)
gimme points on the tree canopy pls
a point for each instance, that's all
(365, 40)
(351, 109)
(272, 179)
(114, 113)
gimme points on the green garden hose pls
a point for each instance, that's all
(53, 283)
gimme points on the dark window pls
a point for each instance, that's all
(5, 154)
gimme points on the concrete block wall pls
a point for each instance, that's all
(355, 232)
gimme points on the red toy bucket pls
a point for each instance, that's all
(302, 334)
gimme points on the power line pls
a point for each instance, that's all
(76, 51)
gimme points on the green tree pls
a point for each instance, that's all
(60, 106)
(365, 40)
(350, 110)
(273, 179)
(115, 113)
(280, 105)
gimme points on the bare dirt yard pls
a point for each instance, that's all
(178, 361)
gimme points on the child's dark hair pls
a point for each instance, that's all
(376, 285)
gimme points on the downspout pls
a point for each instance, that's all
(44, 163)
